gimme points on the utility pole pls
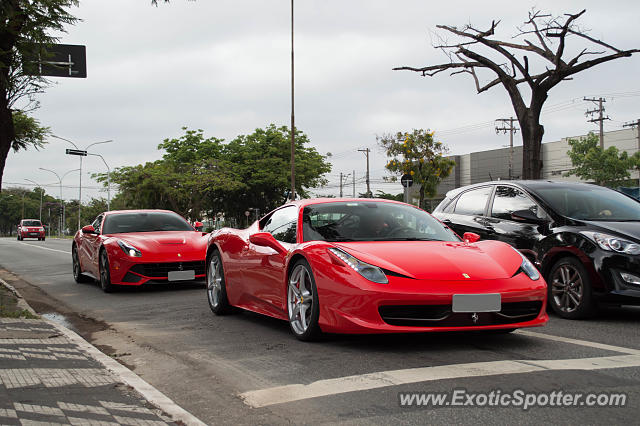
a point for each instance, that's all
(41, 191)
(366, 153)
(354, 183)
(635, 124)
(511, 131)
(293, 126)
(601, 117)
(342, 181)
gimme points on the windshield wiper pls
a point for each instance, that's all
(341, 240)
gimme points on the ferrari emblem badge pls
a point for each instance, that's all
(466, 275)
(475, 318)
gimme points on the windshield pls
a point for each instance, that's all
(144, 222)
(591, 202)
(31, 223)
(371, 221)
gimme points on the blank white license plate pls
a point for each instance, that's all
(491, 302)
(181, 275)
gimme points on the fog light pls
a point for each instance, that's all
(630, 278)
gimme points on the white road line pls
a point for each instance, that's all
(296, 392)
(43, 248)
(571, 341)
(290, 393)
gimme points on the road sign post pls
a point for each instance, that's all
(406, 180)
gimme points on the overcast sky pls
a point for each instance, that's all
(224, 66)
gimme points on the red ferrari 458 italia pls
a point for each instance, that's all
(133, 247)
(370, 266)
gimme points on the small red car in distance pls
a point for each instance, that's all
(134, 247)
(31, 228)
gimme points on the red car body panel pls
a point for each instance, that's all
(421, 273)
(158, 247)
(25, 231)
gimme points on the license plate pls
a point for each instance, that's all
(491, 302)
(33, 233)
(181, 275)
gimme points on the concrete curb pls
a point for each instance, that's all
(22, 304)
(151, 394)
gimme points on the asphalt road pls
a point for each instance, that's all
(247, 369)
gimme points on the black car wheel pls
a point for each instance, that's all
(77, 270)
(570, 292)
(216, 288)
(105, 273)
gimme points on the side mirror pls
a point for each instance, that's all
(88, 230)
(265, 239)
(471, 237)
(199, 226)
(526, 216)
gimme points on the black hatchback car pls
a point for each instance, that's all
(585, 239)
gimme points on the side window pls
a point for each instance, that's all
(96, 223)
(473, 202)
(508, 199)
(283, 224)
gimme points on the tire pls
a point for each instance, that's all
(216, 287)
(44, 238)
(105, 273)
(303, 308)
(570, 292)
(77, 269)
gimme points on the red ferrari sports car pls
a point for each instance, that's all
(370, 266)
(133, 247)
(30, 228)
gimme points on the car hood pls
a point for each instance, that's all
(162, 239)
(626, 229)
(438, 260)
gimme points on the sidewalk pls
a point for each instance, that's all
(50, 375)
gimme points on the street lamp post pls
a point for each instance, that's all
(61, 200)
(80, 153)
(41, 191)
(108, 180)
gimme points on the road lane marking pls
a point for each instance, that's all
(587, 343)
(296, 392)
(363, 382)
(44, 248)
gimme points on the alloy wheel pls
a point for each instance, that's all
(300, 299)
(214, 282)
(567, 288)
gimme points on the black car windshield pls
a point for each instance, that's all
(371, 221)
(591, 202)
(144, 222)
(31, 223)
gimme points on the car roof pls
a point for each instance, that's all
(22, 220)
(110, 212)
(309, 201)
(525, 184)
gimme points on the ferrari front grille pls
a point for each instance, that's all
(443, 316)
(161, 270)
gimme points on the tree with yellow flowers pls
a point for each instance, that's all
(418, 155)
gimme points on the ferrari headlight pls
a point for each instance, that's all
(128, 249)
(527, 267)
(613, 243)
(370, 272)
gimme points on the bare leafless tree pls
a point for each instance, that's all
(502, 58)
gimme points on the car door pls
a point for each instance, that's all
(467, 213)
(89, 247)
(521, 234)
(265, 268)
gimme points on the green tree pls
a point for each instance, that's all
(28, 132)
(25, 26)
(608, 167)
(381, 194)
(418, 155)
